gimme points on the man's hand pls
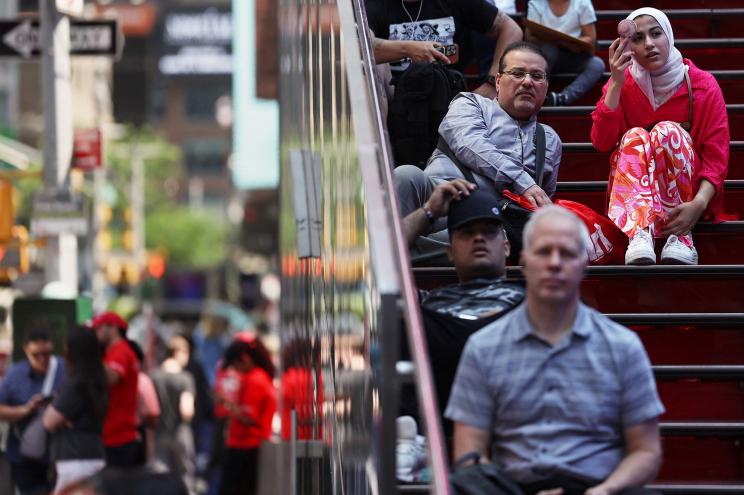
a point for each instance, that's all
(444, 193)
(552, 491)
(537, 196)
(486, 90)
(598, 490)
(33, 404)
(425, 51)
(682, 218)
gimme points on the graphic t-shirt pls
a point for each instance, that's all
(450, 315)
(443, 21)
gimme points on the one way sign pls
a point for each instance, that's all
(21, 37)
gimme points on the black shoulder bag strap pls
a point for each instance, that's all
(539, 156)
(539, 153)
(687, 125)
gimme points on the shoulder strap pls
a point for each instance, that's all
(688, 124)
(539, 156)
(46, 388)
(539, 153)
(444, 148)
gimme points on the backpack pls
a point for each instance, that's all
(422, 96)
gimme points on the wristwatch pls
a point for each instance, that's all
(429, 214)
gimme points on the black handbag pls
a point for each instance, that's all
(480, 478)
(514, 216)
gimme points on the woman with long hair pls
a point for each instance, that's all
(666, 121)
(250, 414)
(76, 415)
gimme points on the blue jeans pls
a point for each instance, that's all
(589, 67)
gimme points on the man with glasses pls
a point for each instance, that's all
(21, 399)
(495, 139)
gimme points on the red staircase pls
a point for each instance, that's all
(689, 318)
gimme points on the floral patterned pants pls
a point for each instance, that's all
(651, 173)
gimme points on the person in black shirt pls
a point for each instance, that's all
(77, 413)
(478, 249)
(413, 29)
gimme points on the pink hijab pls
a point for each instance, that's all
(660, 85)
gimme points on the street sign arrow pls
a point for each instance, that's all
(21, 37)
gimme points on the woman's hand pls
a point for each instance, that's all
(620, 59)
(682, 218)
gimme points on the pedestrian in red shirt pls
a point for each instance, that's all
(120, 436)
(250, 415)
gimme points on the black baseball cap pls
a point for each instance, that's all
(479, 205)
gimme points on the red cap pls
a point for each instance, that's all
(246, 336)
(109, 318)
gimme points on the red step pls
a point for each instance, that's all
(654, 289)
(686, 23)
(581, 162)
(639, 289)
(730, 81)
(665, 5)
(702, 459)
(693, 344)
(574, 124)
(709, 54)
(698, 400)
(593, 195)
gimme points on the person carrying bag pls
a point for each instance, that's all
(34, 439)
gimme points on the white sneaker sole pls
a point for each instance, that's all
(671, 260)
(640, 260)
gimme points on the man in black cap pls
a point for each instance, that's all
(478, 249)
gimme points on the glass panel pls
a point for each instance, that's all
(329, 334)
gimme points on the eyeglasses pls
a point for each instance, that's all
(519, 75)
(40, 354)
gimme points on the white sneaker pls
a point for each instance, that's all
(676, 252)
(410, 451)
(641, 249)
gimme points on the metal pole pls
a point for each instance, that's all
(137, 205)
(61, 251)
(98, 277)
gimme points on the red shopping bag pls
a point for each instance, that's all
(608, 241)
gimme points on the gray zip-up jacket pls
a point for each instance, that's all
(499, 149)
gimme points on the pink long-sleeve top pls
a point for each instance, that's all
(710, 128)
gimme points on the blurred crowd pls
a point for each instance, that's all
(105, 417)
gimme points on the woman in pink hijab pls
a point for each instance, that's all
(666, 121)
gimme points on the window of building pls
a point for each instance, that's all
(201, 101)
(206, 156)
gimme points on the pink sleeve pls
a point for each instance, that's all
(607, 125)
(149, 405)
(713, 138)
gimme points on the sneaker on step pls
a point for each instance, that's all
(676, 252)
(555, 100)
(641, 249)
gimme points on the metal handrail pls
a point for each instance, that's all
(384, 219)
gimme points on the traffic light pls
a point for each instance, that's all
(127, 237)
(7, 215)
(104, 239)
